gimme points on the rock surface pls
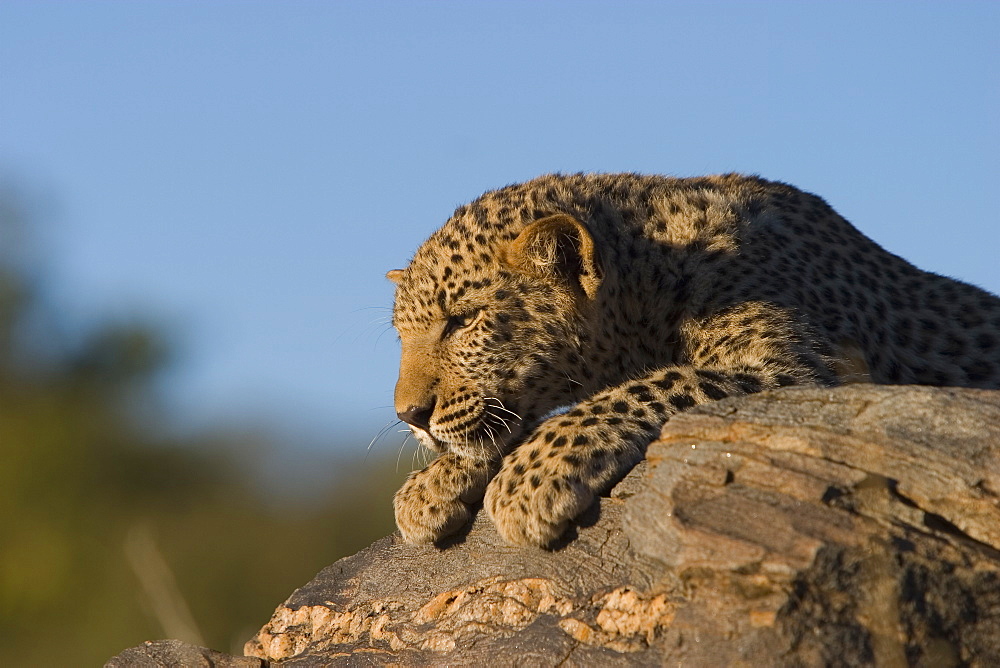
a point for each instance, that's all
(161, 653)
(801, 527)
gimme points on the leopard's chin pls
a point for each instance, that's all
(426, 439)
(471, 448)
(481, 444)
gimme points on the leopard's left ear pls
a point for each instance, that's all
(394, 275)
(562, 245)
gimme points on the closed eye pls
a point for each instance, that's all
(457, 322)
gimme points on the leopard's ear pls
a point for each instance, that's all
(394, 275)
(558, 244)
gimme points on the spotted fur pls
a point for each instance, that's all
(627, 298)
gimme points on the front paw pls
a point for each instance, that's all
(534, 506)
(437, 501)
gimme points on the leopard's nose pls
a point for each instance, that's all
(418, 416)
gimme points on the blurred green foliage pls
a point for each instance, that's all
(112, 533)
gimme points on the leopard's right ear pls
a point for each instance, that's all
(394, 275)
(560, 245)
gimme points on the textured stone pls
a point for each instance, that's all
(855, 526)
(177, 654)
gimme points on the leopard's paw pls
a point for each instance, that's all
(437, 501)
(534, 506)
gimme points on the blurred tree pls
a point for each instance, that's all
(112, 533)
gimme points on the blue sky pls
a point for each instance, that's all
(246, 172)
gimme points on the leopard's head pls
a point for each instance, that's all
(494, 325)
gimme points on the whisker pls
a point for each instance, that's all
(409, 434)
(403, 445)
(388, 328)
(360, 329)
(487, 415)
(496, 446)
(372, 308)
(381, 432)
(500, 406)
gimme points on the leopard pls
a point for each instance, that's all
(550, 328)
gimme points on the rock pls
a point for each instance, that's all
(161, 653)
(852, 526)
